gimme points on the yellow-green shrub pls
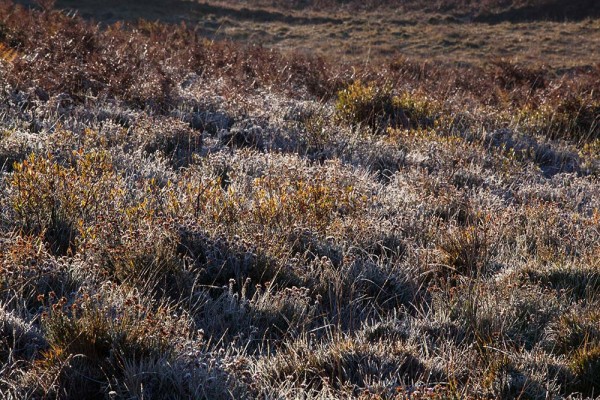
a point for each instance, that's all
(378, 108)
(57, 200)
(419, 110)
(288, 193)
(365, 104)
(570, 117)
(586, 366)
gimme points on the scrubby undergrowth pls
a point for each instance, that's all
(188, 219)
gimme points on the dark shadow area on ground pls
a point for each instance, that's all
(178, 10)
(171, 11)
(555, 10)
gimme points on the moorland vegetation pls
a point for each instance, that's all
(188, 218)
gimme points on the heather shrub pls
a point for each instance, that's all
(376, 107)
(590, 154)
(274, 193)
(511, 75)
(318, 134)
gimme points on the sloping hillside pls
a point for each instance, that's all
(189, 218)
(358, 32)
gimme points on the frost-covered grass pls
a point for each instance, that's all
(187, 219)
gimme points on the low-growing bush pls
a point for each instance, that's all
(27, 268)
(57, 200)
(173, 139)
(585, 364)
(92, 337)
(378, 108)
(369, 105)
(572, 116)
(465, 251)
(420, 111)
